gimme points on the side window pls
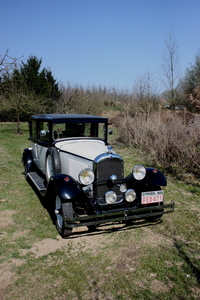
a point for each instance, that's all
(33, 131)
(43, 132)
(101, 131)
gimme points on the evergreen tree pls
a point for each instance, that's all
(27, 90)
(41, 83)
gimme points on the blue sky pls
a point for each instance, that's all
(100, 42)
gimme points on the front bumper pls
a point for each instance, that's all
(124, 215)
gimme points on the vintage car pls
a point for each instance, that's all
(82, 179)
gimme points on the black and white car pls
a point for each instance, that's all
(79, 175)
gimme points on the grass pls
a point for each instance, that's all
(140, 261)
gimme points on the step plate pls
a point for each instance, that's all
(38, 181)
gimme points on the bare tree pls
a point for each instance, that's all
(80, 100)
(170, 70)
(145, 93)
(7, 64)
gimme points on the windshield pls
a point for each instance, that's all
(73, 130)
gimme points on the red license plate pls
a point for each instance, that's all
(152, 197)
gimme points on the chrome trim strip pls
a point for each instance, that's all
(104, 156)
(107, 155)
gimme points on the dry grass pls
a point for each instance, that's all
(171, 140)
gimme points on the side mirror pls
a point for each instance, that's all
(42, 133)
(110, 131)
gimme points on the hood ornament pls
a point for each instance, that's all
(110, 149)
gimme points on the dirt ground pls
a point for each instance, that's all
(91, 241)
(123, 258)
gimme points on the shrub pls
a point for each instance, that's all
(171, 140)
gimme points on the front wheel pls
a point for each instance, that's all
(61, 210)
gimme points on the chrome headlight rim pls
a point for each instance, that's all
(110, 197)
(130, 195)
(139, 172)
(86, 176)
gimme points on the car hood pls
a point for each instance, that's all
(87, 148)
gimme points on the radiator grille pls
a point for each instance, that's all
(104, 169)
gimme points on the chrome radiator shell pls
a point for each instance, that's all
(105, 165)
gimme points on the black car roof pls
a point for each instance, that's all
(69, 117)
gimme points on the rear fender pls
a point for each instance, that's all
(27, 159)
(66, 187)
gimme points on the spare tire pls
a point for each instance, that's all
(53, 164)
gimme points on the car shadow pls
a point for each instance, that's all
(111, 227)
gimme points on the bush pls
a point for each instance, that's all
(171, 140)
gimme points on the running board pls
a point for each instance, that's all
(38, 181)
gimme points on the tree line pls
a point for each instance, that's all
(168, 136)
(26, 89)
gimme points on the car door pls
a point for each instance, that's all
(34, 141)
(42, 145)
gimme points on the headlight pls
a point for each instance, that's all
(130, 195)
(110, 197)
(139, 172)
(86, 176)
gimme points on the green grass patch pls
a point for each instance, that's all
(140, 261)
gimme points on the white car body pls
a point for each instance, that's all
(76, 155)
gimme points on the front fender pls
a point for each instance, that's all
(65, 186)
(153, 178)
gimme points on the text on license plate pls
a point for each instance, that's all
(152, 197)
